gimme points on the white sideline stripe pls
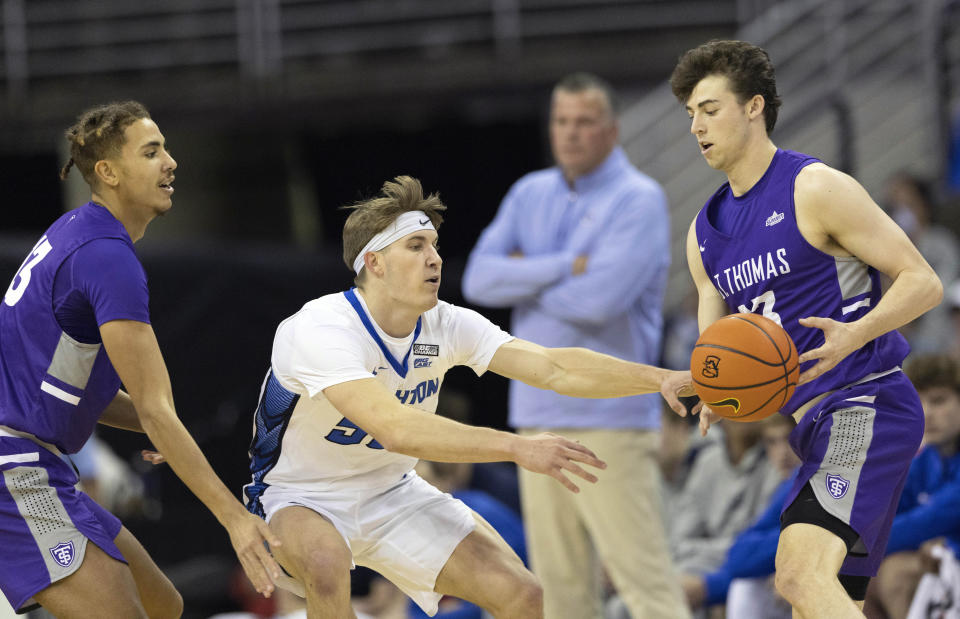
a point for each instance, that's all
(59, 393)
(853, 306)
(29, 457)
(862, 398)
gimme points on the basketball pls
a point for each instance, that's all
(744, 367)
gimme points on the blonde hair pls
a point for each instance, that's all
(98, 134)
(369, 217)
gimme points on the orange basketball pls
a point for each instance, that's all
(744, 367)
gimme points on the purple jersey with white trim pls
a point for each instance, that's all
(766, 266)
(51, 385)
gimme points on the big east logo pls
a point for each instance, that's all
(711, 367)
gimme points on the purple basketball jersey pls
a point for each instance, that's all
(764, 265)
(52, 386)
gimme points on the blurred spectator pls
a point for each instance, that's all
(911, 205)
(727, 488)
(744, 580)
(110, 481)
(281, 605)
(951, 301)
(680, 444)
(580, 251)
(497, 479)
(930, 504)
(680, 333)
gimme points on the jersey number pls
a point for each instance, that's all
(347, 433)
(16, 289)
(767, 299)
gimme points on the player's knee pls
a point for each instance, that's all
(326, 571)
(791, 580)
(162, 600)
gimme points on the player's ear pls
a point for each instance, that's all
(755, 106)
(106, 172)
(373, 261)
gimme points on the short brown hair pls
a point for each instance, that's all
(98, 134)
(370, 217)
(581, 82)
(932, 371)
(746, 66)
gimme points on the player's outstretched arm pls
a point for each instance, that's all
(134, 352)
(836, 214)
(404, 429)
(583, 373)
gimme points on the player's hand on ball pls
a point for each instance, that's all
(247, 535)
(675, 385)
(840, 339)
(153, 457)
(707, 418)
(550, 454)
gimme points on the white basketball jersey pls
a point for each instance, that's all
(301, 440)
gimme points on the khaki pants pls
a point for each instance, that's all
(617, 520)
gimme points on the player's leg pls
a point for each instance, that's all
(101, 586)
(808, 560)
(558, 546)
(623, 515)
(484, 570)
(157, 594)
(314, 552)
(58, 545)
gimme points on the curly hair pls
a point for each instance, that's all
(746, 66)
(98, 134)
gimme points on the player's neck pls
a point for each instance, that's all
(132, 220)
(751, 166)
(395, 318)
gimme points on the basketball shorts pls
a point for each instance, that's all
(406, 532)
(856, 446)
(45, 521)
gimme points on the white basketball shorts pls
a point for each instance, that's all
(406, 532)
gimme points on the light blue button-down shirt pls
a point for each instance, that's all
(617, 216)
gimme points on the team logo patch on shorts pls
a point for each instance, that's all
(63, 553)
(429, 350)
(837, 486)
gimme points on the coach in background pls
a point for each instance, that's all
(580, 251)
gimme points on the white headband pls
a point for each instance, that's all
(409, 222)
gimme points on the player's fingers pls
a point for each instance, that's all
(813, 372)
(579, 472)
(816, 322)
(705, 420)
(582, 454)
(256, 574)
(556, 474)
(268, 533)
(153, 457)
(577, 446)
(810, 355)
(674, 403)
(268, 562)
